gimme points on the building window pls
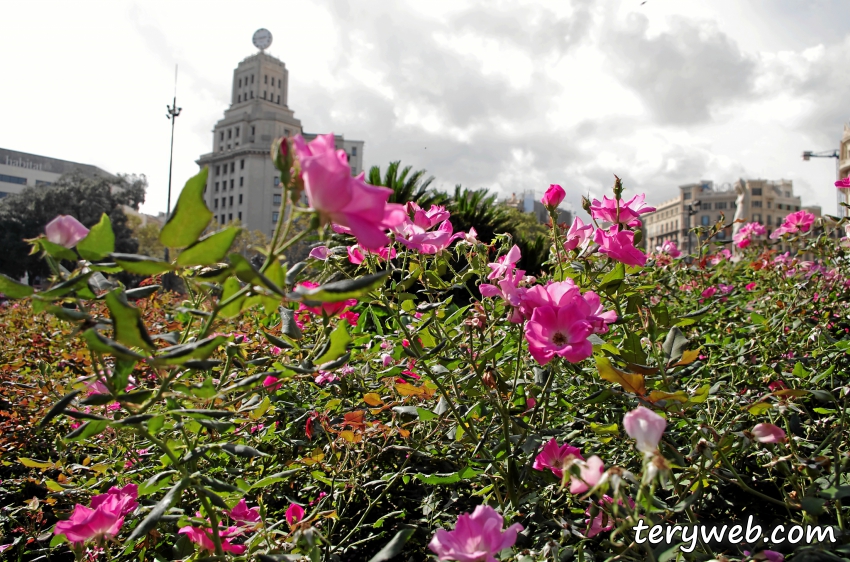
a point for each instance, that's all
(216, 187)
(756, 191)
(252, 94)
(720, 205)
(252, 79)
(686, 195)
(275, 216)
(237, 132)
(242, 164)
(217, 170)
(787, 194)
(240, 216)
(240, 198)
(252, 130)
(354, 151)
(769, 220)
(241, 181)
(286, 132)
(278, 82)
(222, 220)
(706, 206)
(276, 199)
(267, 78)
(215, 203)
(276, 181)
(239, 98)
(228, 146)
(353, 170)
(240, 82)
(223, 202)
(229, 133)
(221, 136)
(13, 179)
(770, 204)
(231, 184)
(229, 217)
(264, 94)
(756, 203)
(705, 219)
(231, 201)
(278, 99)
(757, 217)
(798, 208)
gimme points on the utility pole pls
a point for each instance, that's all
(842, 197)
(173, 112)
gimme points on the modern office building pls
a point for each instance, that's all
(243, 183)
(704, 204)
(529, 202)
(20, 169)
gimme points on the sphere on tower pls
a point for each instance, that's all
(262, 39)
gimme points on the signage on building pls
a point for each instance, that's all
(21, 163)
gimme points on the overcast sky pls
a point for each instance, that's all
(511, 96)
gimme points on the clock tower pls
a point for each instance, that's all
(243, 185)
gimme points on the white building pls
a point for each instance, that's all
(704, 204)
(20, 169)
(243, 183)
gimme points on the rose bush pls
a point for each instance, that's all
(416, 394)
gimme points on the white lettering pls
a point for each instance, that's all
(641, 526)
(672, 531)
(780, 529)
(822, 533)
(735, 534)
(713, 534)
(753, 532)
(791, 531)
(692, 539)
(654, 537)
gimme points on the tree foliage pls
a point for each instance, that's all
(25, 214)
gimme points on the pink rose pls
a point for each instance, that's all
(578, 234)
(620, 212)
(591, 473)
(768, 433)
(476, 538)
(360, 209)
(319, 253)
(554, 457)
(553, 197)
(561, 331)
(294, 514)
(646, 427)
(619, 245)
(65, 230)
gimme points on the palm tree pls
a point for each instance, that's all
(406, 186)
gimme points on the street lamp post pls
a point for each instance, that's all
(842, 197)
(173, 113)
(692, 209)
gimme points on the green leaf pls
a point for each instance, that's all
(143, 528)
(614, 278)
(13, 289)
(759, 408)
(426, 415)
(101, 344)
(340, 290)
(57, 251)
(141, 265)
(190, 216)
(834, 493)
(99, 242)
(142, 292)
(674, 344)
(59, 407)
(242, 450)
(210, 249)
(394, 547)
(246, 272)
(288, 327)
(88, 429)
(66, 287)
(756, 318)
(339, 340)
(230, 288)
(155, 483)
(127, 322)
(813, 506)
(179, 354)
(454, 477)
